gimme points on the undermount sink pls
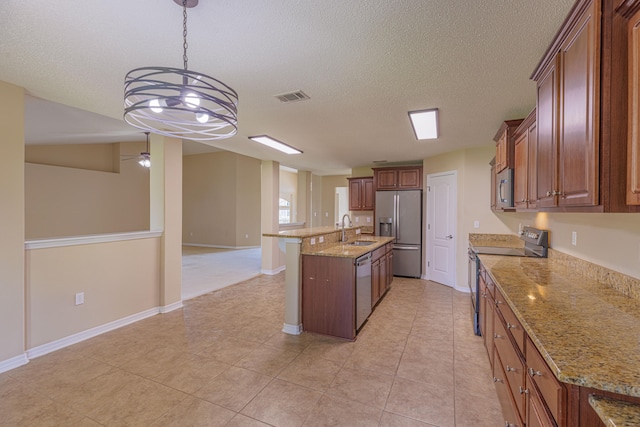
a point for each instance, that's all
(361, 243)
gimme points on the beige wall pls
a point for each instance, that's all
(221, 200)
(63, 201)
(12, 295)
(97, 157)
(328, 198)
(610, 240)
(115, 285)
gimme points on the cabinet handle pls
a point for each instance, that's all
(498, 302)
(496, 336)
(510, 369)
(497, 380)
(510, 326)
(533, 373)
(523, 390)
(548, 193)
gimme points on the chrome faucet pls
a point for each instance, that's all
(350, 225)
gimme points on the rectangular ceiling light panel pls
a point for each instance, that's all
(425, 123)
(273, 143)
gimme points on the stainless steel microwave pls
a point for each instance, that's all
(504, 188)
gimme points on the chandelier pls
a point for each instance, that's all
(178, 102)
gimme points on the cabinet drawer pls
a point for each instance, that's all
(552, 392)
(490, 285)
(504, 395)
(378, 253)
(512, 365)
(512, 324)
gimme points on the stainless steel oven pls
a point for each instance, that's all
(536, 244)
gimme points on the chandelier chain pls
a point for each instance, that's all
(184, 33)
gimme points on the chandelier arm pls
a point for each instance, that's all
(184, 34)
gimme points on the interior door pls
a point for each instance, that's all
(441, 227)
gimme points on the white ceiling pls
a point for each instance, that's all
(364, 63)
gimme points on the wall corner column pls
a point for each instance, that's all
(166, 215)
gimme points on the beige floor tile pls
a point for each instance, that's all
(234, 388)
(333, 411)
(229, 350)
(367, 387)
(112, 348)
(243, 421)
(190, 372)
(267, 360)
(373, 358)
(485, 410)
(194, 412)
(292, 342)
(310, 371)
(121, 398)
(331, 349)
(474, 379)
(421, 401)
(393, 420)
(434, 368)
(282, 404)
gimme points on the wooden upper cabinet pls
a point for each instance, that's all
(633, 144)
(580, 112)
(361, 194)
(399, 178)
(505, 145)
(524, 177)
(568, 112)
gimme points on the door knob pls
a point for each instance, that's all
(449, 237)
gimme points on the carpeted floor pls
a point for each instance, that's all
(207, 269)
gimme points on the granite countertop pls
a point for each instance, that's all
(307, 232)
(615, 413)
(345, 250)
(588, 333)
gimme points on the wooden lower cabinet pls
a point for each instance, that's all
(537, 413)
(504, 395)
(329, 295)
(381, 272)
(633, 147)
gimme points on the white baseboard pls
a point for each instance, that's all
(171, 307)
(292, 329)
(463, 289)
(273, 272)
(14, 362)
(43, 349)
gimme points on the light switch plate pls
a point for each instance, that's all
(313, 240)
(574, 238)
(321, 239)
(80, 298)
(476, 224)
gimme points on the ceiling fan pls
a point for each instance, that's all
(144, 158)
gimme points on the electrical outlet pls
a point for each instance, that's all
(313, 240)
(357, 231)
(321, 239)
(574, 238)
(357, 219)
(368, 219)
(476, 224)
(326, 214)
(80, 298)
(246, 236)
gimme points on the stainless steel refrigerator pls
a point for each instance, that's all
(399, 214)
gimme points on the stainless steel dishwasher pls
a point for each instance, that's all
(363, 289)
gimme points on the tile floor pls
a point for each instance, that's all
(223, 360)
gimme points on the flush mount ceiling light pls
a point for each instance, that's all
(178, 102)
(425, 123)
(273, 143)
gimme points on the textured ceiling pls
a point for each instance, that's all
(364, 63)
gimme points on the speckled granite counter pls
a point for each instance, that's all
(307, 232)
(345, 250)
(616, 413)
(587, 332)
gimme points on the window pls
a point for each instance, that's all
(284, 216)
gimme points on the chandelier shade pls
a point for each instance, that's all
(178, 102)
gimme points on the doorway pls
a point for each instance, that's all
(342, 203)
(441, 227)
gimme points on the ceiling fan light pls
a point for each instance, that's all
(191, 100)
(154, 105)
(202, 117)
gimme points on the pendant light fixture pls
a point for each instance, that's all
(178, 102)
(145, 158)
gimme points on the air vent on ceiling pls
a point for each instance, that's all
(297, 95)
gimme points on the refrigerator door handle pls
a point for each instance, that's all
(396, 199)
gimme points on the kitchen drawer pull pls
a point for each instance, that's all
(510, 326)
(510, 369)
(533, 373)
(497, 380)
(523, 390)
(498, 302)
(497, 336)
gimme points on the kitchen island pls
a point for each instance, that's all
(584, 322)
(321, 241)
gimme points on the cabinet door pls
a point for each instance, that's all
(521, 173)
(537, 414)
(389, 267)
(633, 144)
(375, 282)
(368, 194)
(493, 186)
(532, 161)
(355, 194)
(386, 179)
(501, 152)
(580, 113)
(547, 122)
(504, 395)
(409, 178)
